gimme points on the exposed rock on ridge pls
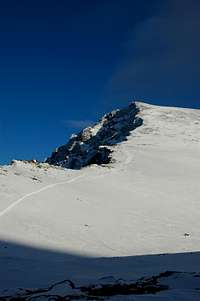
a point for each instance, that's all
(91, 145)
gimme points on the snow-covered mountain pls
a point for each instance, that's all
(127, 230)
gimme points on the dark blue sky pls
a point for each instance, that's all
(65, 63)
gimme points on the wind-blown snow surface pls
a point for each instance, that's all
(56, 224)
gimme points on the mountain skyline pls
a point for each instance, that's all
(65, 64)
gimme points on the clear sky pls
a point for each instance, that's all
(65, 63)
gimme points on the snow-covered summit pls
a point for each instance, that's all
(90, 145)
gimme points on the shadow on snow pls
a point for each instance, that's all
(24, 266)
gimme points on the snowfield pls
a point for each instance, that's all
(101, 224)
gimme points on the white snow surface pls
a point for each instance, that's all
(58, 224)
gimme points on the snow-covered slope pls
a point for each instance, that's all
(57, 224)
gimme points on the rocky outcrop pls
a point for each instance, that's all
(93, 144)
(66, 290)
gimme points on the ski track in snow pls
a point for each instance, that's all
(129, 156)
(128, 160)
(17, 202)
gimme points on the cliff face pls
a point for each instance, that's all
(91, 145)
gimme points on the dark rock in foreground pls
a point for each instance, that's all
(91, 145)
(66, 290)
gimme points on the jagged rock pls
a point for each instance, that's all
(92, 145)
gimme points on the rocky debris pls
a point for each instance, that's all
(66, 290)
(108, 287)
(93, 144)
(186, 235)
(32, 161)
(3, 172)
(35, 179)
(120, 287)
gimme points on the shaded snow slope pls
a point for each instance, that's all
(58, 223)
